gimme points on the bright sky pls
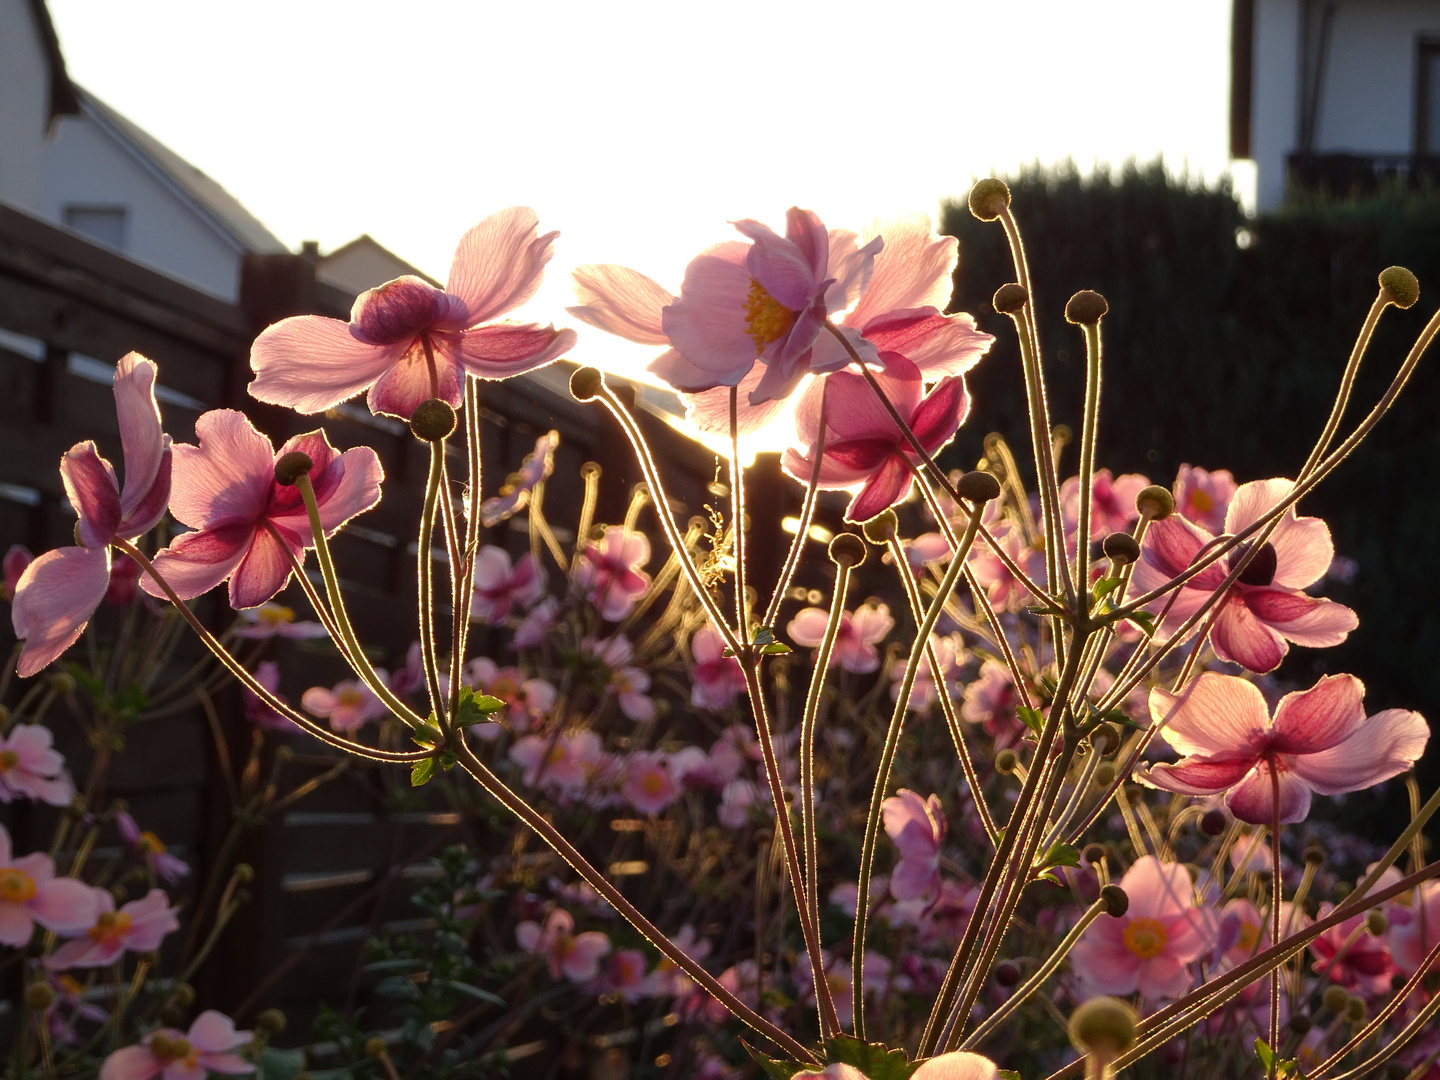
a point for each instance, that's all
(639, 128)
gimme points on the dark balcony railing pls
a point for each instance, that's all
(1361, 174)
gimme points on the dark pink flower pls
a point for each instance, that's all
(59, 591)
(500, 585)
(32, 768)
(1266, 607)
(1112, 502)
(15, 562)
(1363, 965)
(917, 826)
(855, 643)
(1204, 497)
(1319, 740)
(609, 571)
(30, 893)
(311, 363)
(715, 677)
(248, 526)
(139, 926)
(209, 1044)
(1412, 939)
(574, 956)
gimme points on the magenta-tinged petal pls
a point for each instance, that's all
(1241, 638)
(309, 363)
(227, 478)
(91, 488)
(349, 485)
(1254, 500)
(64, 905)
(938, 345)
(196, 562)
(266, 567)
(407, 383)
(214, 1031)
(498, 265)
(709, 410)
(285, 504)
(231, 1064)
(621, 301)
(1253, 799)
(1383, 746)
(1101, 959)
(707, 324)
(887, 485)
(397, 312)
(828, 354)
(150, 507)
(503, 350)
(956, 1065)
(1308, 721)
(1303, 551)
(1216, 715)
(141, 437)
(54, 600)
(131, 1063)
(1170, 547)
(1311, 621)
(784, 269)
(912, 271)
(942, 412)
(1199, 776)
(1192, 934)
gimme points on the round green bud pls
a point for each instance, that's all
(433, 420)
(978, 486)
(1315, 855)
(375, 1046)
(1356, 1010)
(244, 873)
(1093, 853)
(39, 996)
(1155, 503)
(1105, 774)
(285, 754)
(1400, 286)
(1103, 1027)
(183, 995)
(847, 549)
(1010, 298)
(1006, 761)
(1299, 1023)
(1007, 973)
(1120, 548)
(1085, 308)
(1335, 998)
(291, 467)
(161, 1046)
(585, 384)
(1117, 901)
(271, 1021)
(880, 529)
(989, 198)
(1213, 822)
(1376, 922)
(62, 682)
(170, 1016)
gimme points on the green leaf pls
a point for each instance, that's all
(469, 991)
(763, 636)
(875, 1061)
(1146, 621)
(727, 651)
(775, 648)
(447, 760)
(422, 771)
(1008, 1074)
(279, 1064)
(1105, 586)
(1265, 1054)
(775, 1069)
(476, 708)
(1031, 718)
(428, 735)
(1060, 855)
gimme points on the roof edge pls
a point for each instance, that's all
(64, 101)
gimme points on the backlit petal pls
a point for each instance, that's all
(1383, 746)
(141, 436)
(498, 264)
(310, 363)
(1241, 638)
(503, 350)
(1217, 716)
(196, 562)
(54, 599)
(226, 478)
(621, 301)
(91, 488)
(1309, 721)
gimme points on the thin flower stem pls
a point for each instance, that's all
(887, 758)
(1082, 785)
(248, 681)
(1087, 458)
(425, 568)
(807, 514)
(737, 525)
(567, 851)
(942, 691)
(1037, 980)
(459, 601)
(1347, 381)
(350, 644)
(1420, 1023)
(590, 473)
(1277, 893)
(1382, 1014)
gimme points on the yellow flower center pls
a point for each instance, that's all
(275, 615)
(8, 760)
(350, 697)
(1200, 501)
(555, 755)
(169, 1050)
(564, 944)
(766, 319)
(151, 843)
(16, 886)
(653, 783)
(111, 927)
(504, 686)
(1249, 936)
(1145, 938)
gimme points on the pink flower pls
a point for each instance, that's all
(950, 654)
(1265, 608)
(1364, 965)
(139, 926)
(124, 581)
(715, 677)
(918, 828)
(625, 975)
(31, 768)
(249, 526)
(1320, 740)
(566, 762)
(151, 849)
(1204, 497)
(257, 711)
(499, 585)
(348, 707)
(209, 1044)
(527, 700)
(1147, 948)
(575, 956)
(609, 572)
(649, 786)
(863, 446)
(14, 564)
(1112, 502)
(627, 681)
(1002, 588)
(407, 341)
(276, 620)
(956, 1065)
(1412, 940)
(532, 628)
(30, 893)
(59, 591)
(515, 493)
(855, 643)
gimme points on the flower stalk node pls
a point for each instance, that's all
(880, 529)
(1117, 901)
(291, 467)
(433, 420)
(989, 198)
(1086, 308)
(1400, 286)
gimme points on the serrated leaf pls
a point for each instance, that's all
(875, 1061)
(422, 771)
(1145, 620)
(428, 735)
(763, 636)
(1008, 1074)
(775, 648)
(1105, 586)
(476, 708)
(1060, 855)
(1031, 718)
(773, 1068)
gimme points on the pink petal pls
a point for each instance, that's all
(937, 344)
(265, 568)
(1311, 621)
(227, 1063)
(352, 486)
(1192, 935)
(498, 264)
(141, 435)
(1216, 715)
(226, 478)
(91, 488)
(1199, 776)
(310, 363)
(1102, 961)
(913, 270)
(505, 349)
(196, 562)
(622, 301)
(1241, 638)
(214, 1031)
(1303, 551)
(707, 323)
(1308, 721)
(944, 409)
(16, 925)
(1157, 890)
(54, 599)
(785, 269)
(888, 485)
(64, 905)
(406, 383)
(1383, 746)
(957, 1065)
(1162, 976)
(1253, 799)
(1170, 546)
(913, 879)
(1254, 500)
(131, 1063)
(150, 504)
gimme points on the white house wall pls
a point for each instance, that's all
(24, 106)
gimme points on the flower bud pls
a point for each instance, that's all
(291, 467)
(1376, 922)
(1006, 761)
(62, 682)
(1120, 548)
(1117, 901)
(375, 1046)
(244, 873)
(1105, 774)
(1085, 308)
(1213, 822)
(1010, 298)
(1299, 1023)
(880, 529)
(1400, 286)
(1155, 503)
(1335, 998)
(183, 995)
(39, 996)
(1356, 1010)
(432, 420)
(978, 486)
(1105, 738)
(1093, 853)
(271, 1022)
(585, 384)
(1103, 1028)
(989, 198)
(1007, 973)
(1315, 855)
(847, 549)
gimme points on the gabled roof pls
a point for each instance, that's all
(364, 263)
(209, 200)
(63, 99)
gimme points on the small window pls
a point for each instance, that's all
(1427, 112)
(103, 223)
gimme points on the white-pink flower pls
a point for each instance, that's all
(715, 677)
(917, 826)
(208, 1045)
(515, 493)
(566, 761)
(574, 956)
(855, 642)
(1204, 497)
(950, 654)
(276, 620)
(499, 585)
(139, 926)
(649, 786)
(32, 768)
(609, 573)
(30, 893)
(349, 706)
